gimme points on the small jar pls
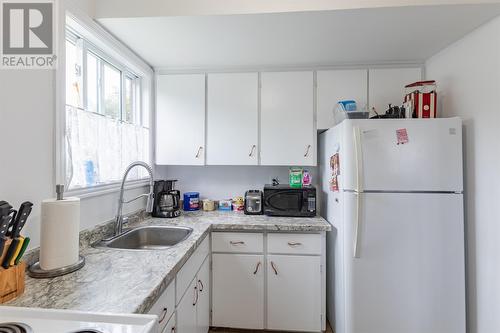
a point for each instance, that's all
(208, 205)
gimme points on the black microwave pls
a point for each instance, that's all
(283, 200)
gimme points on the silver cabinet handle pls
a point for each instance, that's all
(195, 296)
(257, 268)
(237, 243)
(294, 244)
(163, 315)
(274, 268)
(199, 151)
(307, 150)
(201, 286)
(251, 150)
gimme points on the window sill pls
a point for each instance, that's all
(99, 190)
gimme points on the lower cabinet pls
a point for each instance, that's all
(271, 281)
(170, 326)
(238, 291)
(203, 302)
(294, 293)
(193, 310)
(186, 310)
(164, 307)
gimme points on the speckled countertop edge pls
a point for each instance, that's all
(101, 284)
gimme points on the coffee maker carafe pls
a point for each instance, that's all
(167, 199)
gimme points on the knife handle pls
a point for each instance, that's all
(16, 252)
(21, 217)
(23, 249)
(2, 244)
(10, 253)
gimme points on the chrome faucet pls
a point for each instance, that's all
(149, 204)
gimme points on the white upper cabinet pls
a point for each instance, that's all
(232, 119)
(180, 119)
(287, 119)
(337, 85)
(386, 85)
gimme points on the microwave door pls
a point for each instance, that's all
(286, 201)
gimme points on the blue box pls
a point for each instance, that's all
(191, 201)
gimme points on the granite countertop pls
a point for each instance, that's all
(127, 281)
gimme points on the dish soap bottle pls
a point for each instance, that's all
(306, 178)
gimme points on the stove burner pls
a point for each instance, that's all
(15, 328)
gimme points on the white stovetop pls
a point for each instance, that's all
(64, 321)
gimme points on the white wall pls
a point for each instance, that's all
(224, 182)
(27, 137)
(468, 77)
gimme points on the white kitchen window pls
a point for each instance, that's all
(106, 127)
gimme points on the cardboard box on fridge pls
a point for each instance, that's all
(423, 96)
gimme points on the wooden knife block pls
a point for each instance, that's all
(11, 279)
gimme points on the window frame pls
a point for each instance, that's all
(125, 72)
(113, 51)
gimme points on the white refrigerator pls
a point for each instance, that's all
(395, 256)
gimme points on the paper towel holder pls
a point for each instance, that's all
(37, 272)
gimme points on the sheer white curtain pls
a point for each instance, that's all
(100, 148)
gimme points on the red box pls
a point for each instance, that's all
(423, 96)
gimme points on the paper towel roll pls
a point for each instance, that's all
(60, 228)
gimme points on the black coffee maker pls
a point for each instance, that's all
(167, 199)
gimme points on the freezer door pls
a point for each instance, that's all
(430, 160)
(409, 275)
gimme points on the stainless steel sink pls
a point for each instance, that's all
(147, 238)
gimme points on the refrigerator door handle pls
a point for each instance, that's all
(359, 187)
(357, 232)
(359, 159)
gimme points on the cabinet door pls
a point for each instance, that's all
(294, 293)
(386, 85)
(170, 326)
(232, 119)
(180, 119)
(164, 307)
(337, 85)
(238, 291)
(287, 119)
(186, 310)
(203, 305)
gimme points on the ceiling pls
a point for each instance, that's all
(340, 37)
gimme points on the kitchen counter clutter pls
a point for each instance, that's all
(126, 281)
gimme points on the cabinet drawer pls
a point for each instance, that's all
(294, 243)
(164, 306)
(190, 268)
(237, 242)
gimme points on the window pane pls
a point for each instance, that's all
(73, 75)
(111, 91)
(92, 82)
(129, 100)
(98, 149)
